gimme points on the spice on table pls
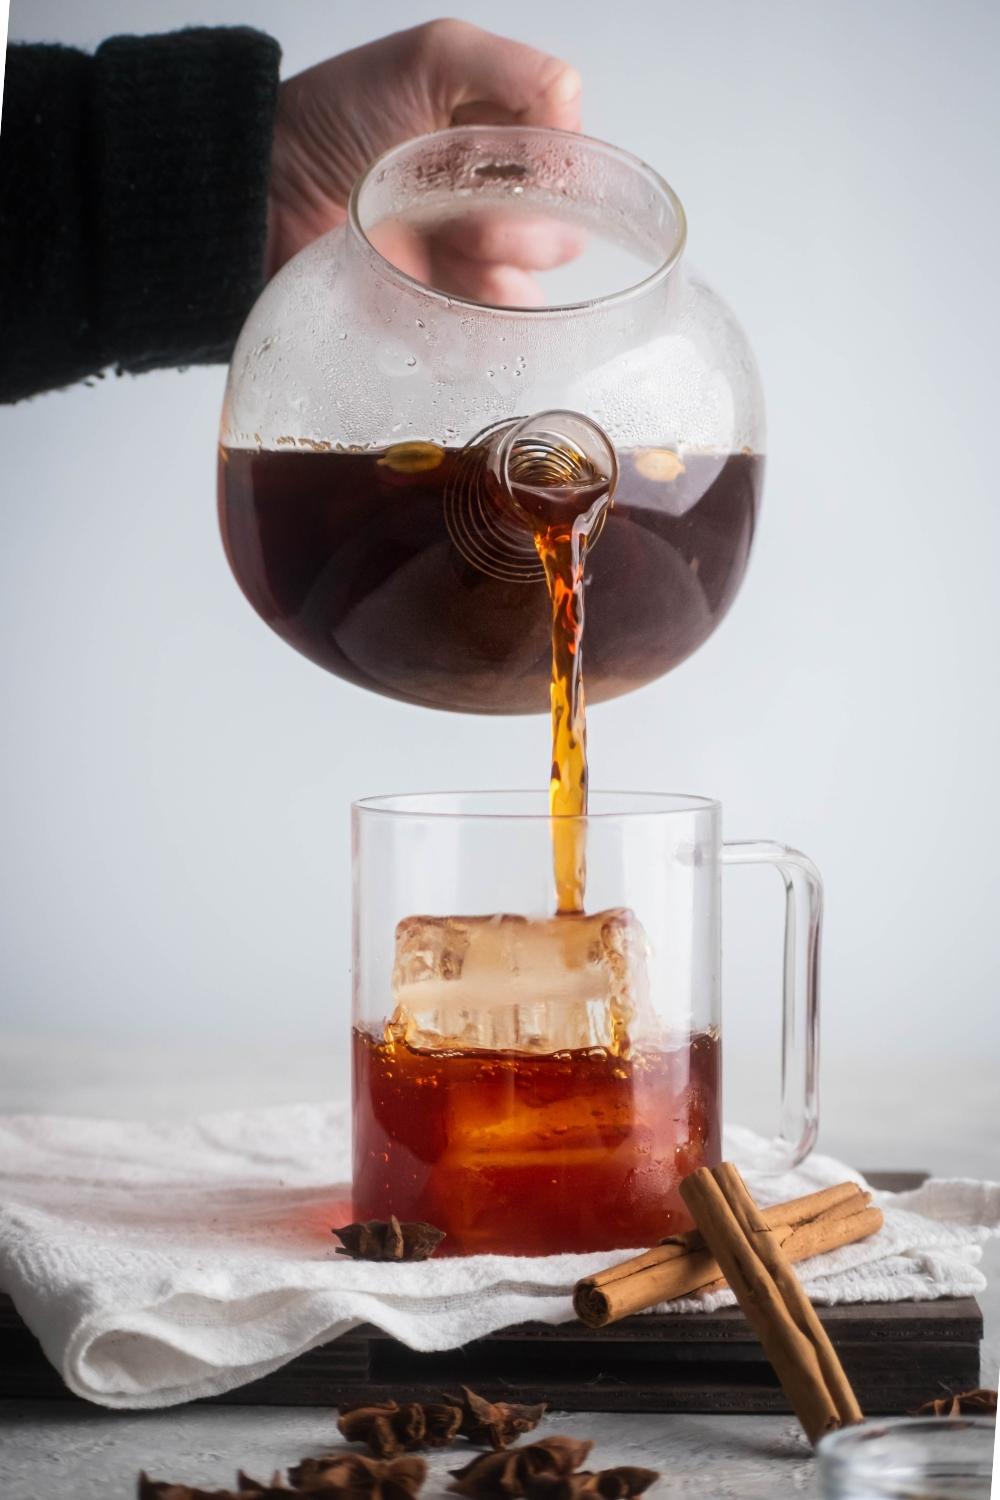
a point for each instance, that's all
(544, 1470)
(158, 1489)
(246, 1489)
(495, 1422)
(682, 1264)
(772, 1299)
(378, 1239)
(350, 1476)
(390, 1429)
(621, 1483)
(256, 1489)
(509, 1473)
(607, 1484)
(981, 1402)
(338, 1476)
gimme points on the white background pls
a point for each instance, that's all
(174, 781)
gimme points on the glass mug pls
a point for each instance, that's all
(532, 1083)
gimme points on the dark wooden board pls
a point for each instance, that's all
(896, 1355)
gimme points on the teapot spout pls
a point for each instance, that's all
(553, 468)
(525, 478)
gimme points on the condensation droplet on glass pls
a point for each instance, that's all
(395, 359)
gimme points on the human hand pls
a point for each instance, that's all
(335, 118)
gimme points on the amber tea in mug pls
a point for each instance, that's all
(576, 1149)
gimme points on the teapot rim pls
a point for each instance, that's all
(635, 290)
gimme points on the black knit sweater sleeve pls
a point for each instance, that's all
(133, 202)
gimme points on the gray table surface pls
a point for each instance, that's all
(47, 1453)
(70, 1451)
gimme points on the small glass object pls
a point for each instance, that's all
(909, 1458)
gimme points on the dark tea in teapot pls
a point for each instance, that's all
(349, 558)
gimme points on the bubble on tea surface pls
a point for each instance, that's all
(507, 983)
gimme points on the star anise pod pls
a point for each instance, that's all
(254, 1489)
(339, 1476)
(506, 1475)
(622, 1483)
(380, 1240)
(246, 1489)
(389, 1429)
(495, 1422)
(351, 1476)
(159, 1489)
(980, 1402)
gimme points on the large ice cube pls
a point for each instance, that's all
(509, 983)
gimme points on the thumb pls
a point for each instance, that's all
(478, 77)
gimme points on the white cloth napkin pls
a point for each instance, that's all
(157, 1263)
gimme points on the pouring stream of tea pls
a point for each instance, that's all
(563, 494)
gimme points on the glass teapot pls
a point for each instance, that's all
(361, 401)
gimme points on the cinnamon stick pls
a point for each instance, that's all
(772, 1299)
(793, 1295)
(833, 1230)
(806, 1226)
(844, 1224)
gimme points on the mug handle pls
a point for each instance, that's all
(799, 1118)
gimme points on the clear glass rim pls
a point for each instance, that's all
(421, 805)
(561, 309)
(857, 1449)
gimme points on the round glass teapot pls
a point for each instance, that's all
(363, 404)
